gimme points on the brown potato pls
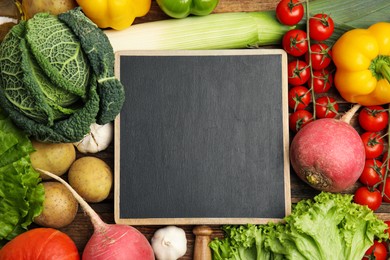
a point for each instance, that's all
(31, 7)
(52, 157)
(59, 207)
(91, 177)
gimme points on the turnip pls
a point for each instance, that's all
(328, 154)
(110, 241)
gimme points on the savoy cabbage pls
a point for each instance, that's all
(57, 76)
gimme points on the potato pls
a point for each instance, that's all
(31, 7)
(59, 207)
(91, 177)
(52, 157)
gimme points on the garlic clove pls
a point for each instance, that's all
(98, 139)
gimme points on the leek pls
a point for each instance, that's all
(354, 13)
(214, 31)
(242, 29)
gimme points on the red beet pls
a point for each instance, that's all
(328, 154)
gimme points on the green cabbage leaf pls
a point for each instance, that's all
(58, 52)
(100, 53)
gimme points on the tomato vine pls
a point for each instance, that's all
(313, 56)
(302, 50)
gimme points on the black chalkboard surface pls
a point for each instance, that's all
(202, 137)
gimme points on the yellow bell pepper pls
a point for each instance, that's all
(116, 14)
(362, 59)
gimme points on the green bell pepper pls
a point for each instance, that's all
(183, 8)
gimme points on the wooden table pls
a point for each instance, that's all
(81, 229)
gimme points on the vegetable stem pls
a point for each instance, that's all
(347, 117)
(382, 68)
(310, 52)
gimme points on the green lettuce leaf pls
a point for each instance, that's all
(7, 141)
(16, 143)
(21, 193)
(246, 242)
(329, 226)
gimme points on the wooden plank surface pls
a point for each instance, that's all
(81, 229)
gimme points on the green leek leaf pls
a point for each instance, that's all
(352, 12)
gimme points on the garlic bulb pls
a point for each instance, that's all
(98, 139)
(169, 243)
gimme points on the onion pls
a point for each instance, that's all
(110, 241)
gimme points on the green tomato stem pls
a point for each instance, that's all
(309, 53)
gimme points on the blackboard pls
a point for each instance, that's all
(202, 137)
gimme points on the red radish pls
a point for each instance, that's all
(328, 154)
(110, 241)
(40, 244)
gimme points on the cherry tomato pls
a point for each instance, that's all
(298, 72)
(321, 56)
(299, 97)
(373, 118)
(373, 144)
(294, 42)
(321, 27)
(289, 12)
(377, 251)
(322, 81)
(373, 172)
(368, 196)
(299, 119)
(326, 107)
(385, 187)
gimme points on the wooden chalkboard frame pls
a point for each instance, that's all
(200, 220)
